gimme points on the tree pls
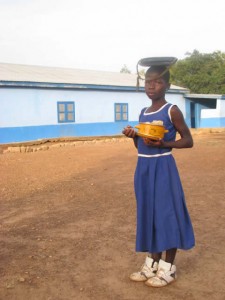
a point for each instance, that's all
(201, 73)
(142, 73)
(125, 69)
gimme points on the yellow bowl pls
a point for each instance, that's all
(149, 130)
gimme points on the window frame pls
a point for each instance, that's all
(121, 112)
(67, 112)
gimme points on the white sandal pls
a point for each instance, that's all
(166, 274)
(147, 271)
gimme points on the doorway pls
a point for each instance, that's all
(193, 115)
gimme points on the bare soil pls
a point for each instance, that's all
(68, 218)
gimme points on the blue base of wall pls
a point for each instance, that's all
(212, 123)
(33, 133)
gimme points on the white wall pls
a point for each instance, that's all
(26, 107)
(177, 99)
(217, 112)
(221, 107)
(32, 107)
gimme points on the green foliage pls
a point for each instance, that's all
(201, 73)
(125, 70)
(142, 73)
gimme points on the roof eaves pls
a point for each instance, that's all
(50, 85)
(204, 96)
(177, 91)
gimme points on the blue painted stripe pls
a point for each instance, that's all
(74, 86)
(212, 122)
(47, 85)
(33, 133)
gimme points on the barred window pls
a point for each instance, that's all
(66, 112)
(121, 112)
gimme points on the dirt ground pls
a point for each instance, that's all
(68, 218)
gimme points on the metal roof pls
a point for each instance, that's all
(25, 74)
(204, 96)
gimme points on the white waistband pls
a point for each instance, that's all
(155, 155)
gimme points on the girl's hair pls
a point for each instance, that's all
(161, 70)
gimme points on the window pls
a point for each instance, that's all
(66, 112)
(121, 112)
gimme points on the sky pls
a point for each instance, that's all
(107, 34)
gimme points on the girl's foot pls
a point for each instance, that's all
(166, 274)
(147, 271)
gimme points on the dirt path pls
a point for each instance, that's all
(68, 223)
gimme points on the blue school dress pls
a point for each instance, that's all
(163, 220)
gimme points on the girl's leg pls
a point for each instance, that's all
(170, 255)
(156, 256)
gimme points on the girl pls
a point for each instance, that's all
(163, 222)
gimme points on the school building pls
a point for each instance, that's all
(45, 102)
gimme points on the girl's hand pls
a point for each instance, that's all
(129, 131)
(153, 143)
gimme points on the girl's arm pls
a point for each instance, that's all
(185, 140)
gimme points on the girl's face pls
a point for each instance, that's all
(155, 86)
